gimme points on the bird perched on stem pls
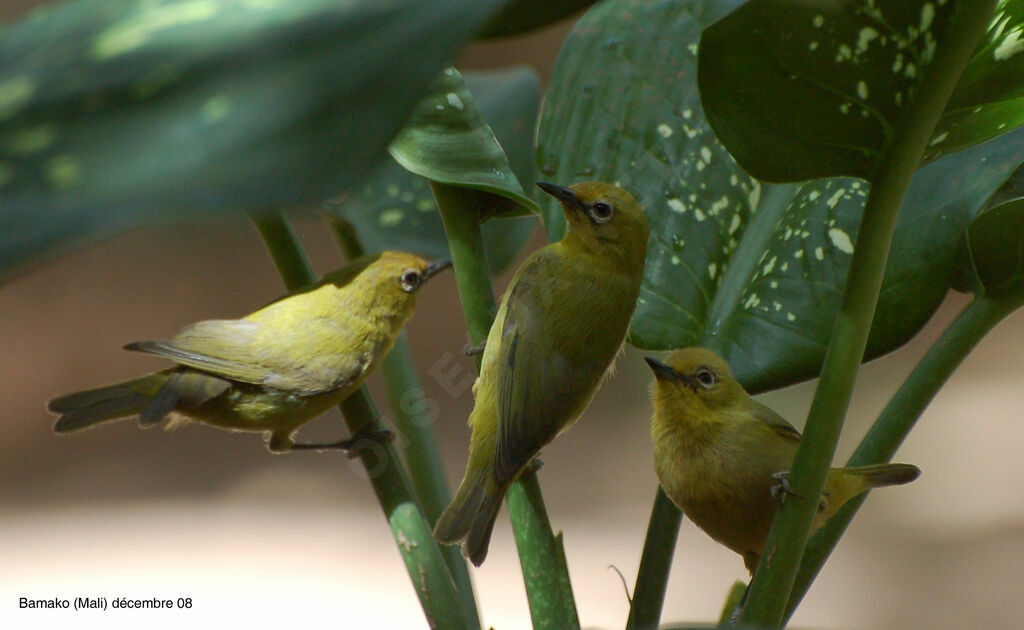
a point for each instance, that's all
(275, 369)
(558, 329)
(724, 458)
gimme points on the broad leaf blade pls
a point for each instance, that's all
(118, 112)
(989, 99)
(448, 141)
(996, 249)
(799, 90)
(396, 210)
(522, 16)
(754, 270)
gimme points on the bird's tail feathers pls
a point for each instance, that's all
(93, 406)
(471, 516)
(878, 475)
(479, 537)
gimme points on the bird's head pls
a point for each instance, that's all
(692, 376)
(604, 218)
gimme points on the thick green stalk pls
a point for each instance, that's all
(899, 417)
(414, 537)
(460, 208)
(413, 420)
(655, 563)
(773, 580)
(542, 558)
(422, 456)
(547, 580)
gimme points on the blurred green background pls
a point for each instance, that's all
(262, 540)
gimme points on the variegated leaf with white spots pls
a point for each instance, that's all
(753, 270)
(799, 90)
(989, 99)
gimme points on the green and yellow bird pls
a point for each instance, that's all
(560, 325)
(723, 458)
(275, 369)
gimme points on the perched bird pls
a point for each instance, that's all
(560, 325)
(272, 370)
(724, 458)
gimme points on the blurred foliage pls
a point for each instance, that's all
(115, 113)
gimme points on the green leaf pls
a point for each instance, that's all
(119, 112)
(396, 209)
(799, 90)
(754, 270)
(526, 15)
(995, 242)
(448, 141)
(989, 99)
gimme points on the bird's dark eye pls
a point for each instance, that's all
(706, 378)
(601, 212)
(411, 280)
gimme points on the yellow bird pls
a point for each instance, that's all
(275, 369)
(560, 325)
(724, 458)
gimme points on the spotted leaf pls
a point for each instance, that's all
(799, 90)
(447, 140)
(754, 270)
(989, 99)
(119, 112)
(396, 209)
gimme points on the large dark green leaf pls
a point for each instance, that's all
(754, 270)
(526, 15)
(396, 208)
(989, 99)
(116, 112)
(996, 249)
(448, 141)
(802, 89)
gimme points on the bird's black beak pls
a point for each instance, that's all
(563, 194)
(663, 371)
(435, 266)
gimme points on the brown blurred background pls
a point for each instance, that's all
(262, 539)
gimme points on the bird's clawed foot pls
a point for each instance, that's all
(351, 446)
(471, 350)
(781, 488)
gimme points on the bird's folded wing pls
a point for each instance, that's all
(538, 391)
(235, 349)
(776, 422)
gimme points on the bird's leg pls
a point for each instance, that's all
(471, 350)
(734, 618)
(351, 445)
(534, 465)
(781, 488)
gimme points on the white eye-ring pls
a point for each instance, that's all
(411, 280)
(601, 212)
(706, 378)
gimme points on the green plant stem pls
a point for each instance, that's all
(413, 419)
(422, 556)
(547, 580)
(345, 234)
(655, 564)
(541, 556)
(770, 589)
(460, 208)
(899, 417)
